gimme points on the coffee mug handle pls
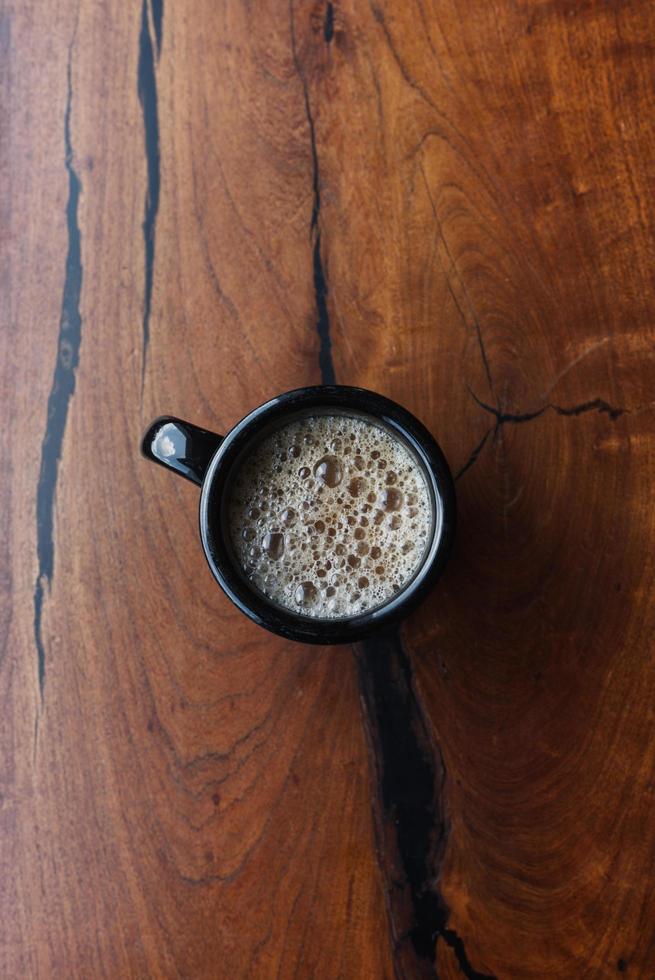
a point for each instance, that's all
(180, 446)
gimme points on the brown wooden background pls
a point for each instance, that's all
(207, 203)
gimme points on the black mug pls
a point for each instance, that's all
(208, 459)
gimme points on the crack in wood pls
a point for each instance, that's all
(594, 405)
(61, 391)
(326, 364)
(147, 90)
(411, 825)
(328, 26)
(474, 455)
(505, 418)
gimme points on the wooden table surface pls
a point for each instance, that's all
(206, 204)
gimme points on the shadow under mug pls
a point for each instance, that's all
(209, 460)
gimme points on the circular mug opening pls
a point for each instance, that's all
(329, 514)
(352, 477)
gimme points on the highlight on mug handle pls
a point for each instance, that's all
(180, 446)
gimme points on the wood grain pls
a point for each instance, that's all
(205, 205)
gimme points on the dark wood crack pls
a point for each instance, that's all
(326, 364)
(504, 418)
(474, 455)
(147, 90)
(411, 825)
(594, 405)
(597, 405)
(62, 389)
(328, 25)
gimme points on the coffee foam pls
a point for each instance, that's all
(330, 516)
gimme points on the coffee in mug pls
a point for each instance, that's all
(329, 515)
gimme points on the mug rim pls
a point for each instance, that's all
(255, 604)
